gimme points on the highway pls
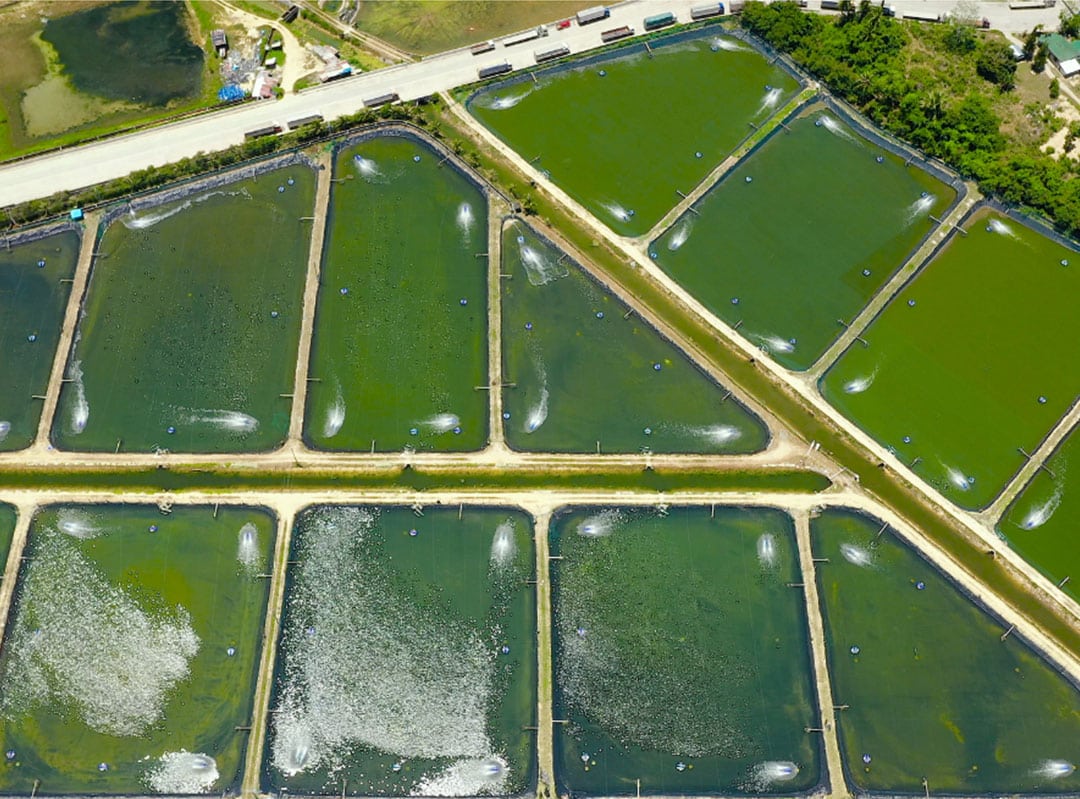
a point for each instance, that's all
(85, 165)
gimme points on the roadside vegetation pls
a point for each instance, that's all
(951, 90)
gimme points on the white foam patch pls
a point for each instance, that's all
(771, 772)
(766, 550)
(680, 235)
(369, 170)
(182, 773)
(540, 267)
(247, 547)
(601, 524)
(857, 385)
(1054, 769)
(80, 409)
(135, 221)
(538, 413)
(440, 423)
(856, 555)
(467, 777)
(836, 128)
(5, 428)
(1040, 514)
(365, 666)
(229, 421)
(920, 208)
(770, 100)
(503, 546)
(465, 219)
(80, 641)
(726, 44)
(77, 523)
(335, 416)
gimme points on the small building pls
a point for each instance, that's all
(324, 53)
(264, 87)
(76, 214)
(221, 44)
(270, 62)
(1064, 52)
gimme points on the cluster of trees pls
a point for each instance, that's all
(860, 56)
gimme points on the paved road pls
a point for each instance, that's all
(94, 163)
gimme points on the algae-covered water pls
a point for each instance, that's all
(407, 661)
(401, 326)
(8, 517)
(974, 358)
(932, 690)
(623, 132)
(132, 650)
(32, 305)
(681, 654)
(189, 331)
(584, 370)
(1042, 523)
(800, 234)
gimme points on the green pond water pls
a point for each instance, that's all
(1043, 522)
(585, 372)
(932, 689)
(975, 357)
(138, 52)
(681, 655)
(802, 233)
(8, 517)
(407, 661)
(32, 305)
(190, 327)
(623, 133)
(401, 325)
(133, 650)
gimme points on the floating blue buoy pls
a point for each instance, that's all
(989, 229)
(971, 481)
(603, 73)
(102, 766)
(457, 431)
(280, 189)
(291, 181)
(505, 649)
(866, 759)
(749, 179)
(41, 264)
(854, 650)
(880, 159)
(416, 158)
(911, 303)
(32, 338)
(506, 414)
(599, 314)
(464, 301)
(652, 255)
(648, 431)
(1064, 261)
(344, 291)
(230, 651)
(657, 367)
(907, 439)
(584, 757)
(866, 273)
(697, 154)
(274, 314)
(528, 325)
(792, 342)
(680, 766)
(413, 532)
(631, 212)
(919, 586)
(413, 431)
(581, 632)
(734, 300)
(311, 631)
(10, 754)
(925, 194)
(170, 430)
(1042, 400)
(521, 239)
(768, 88)
(153, 528)
(817, 123)
(396, 767)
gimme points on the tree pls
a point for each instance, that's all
(996, 64)
(1070, 25)
(1038, 63)
(1031, 42)
(960, 37)
(1055, 89)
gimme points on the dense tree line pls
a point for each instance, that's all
(860, 56)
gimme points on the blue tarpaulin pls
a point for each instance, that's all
(229, 93)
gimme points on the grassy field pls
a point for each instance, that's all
(431, 26)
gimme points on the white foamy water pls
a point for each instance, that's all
(921, 207)
(836, 128)
(467, 777)
(335, 416)
(86, 644)
(538, 413)
(600, 524)
(857, 385)
(771, 772)
(771, 98)
(440, 423)
(77, 523)
(503, 545)
(766, 550)
(504, 101)
(681, 234)
(775, 344)
(182, 773)
(5, 428)
(247, 546)
(231, 421)
(617, 211)
(729, 45)
(80, 409)
(997, 226)
(465, 220)
(134, 221)
(366, 666)
(368, 169)
(1040, 514)
(1054, 769)
(540, 267)
(717, 433)
(957, 479)
(856, 555)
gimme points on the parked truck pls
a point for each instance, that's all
(594, 14)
